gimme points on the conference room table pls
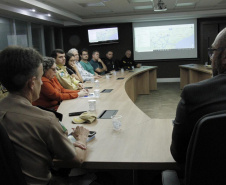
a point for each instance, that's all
(192, 73)
(141, 143)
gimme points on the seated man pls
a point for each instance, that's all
(65, 79)
(85, 74)
(109, 62)
(36, 134)
(84, 62)
(3, 91)
(98, 65)
(127, 62)
(199, 99)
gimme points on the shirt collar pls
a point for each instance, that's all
(20, 98)
(60, 67)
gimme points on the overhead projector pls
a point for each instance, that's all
(161, 6)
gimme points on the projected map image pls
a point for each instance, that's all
(106, 34)
(157, 38)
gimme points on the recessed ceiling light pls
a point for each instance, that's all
(33, 10)
(49, 14)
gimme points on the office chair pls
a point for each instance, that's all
(10, 170)
(206, 155)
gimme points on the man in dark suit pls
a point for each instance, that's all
(199, 99)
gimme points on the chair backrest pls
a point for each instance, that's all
(10, 170)
(206, 156)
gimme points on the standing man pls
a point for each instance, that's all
(85, 74)
(199, 99)
(127, 62)
(65, 79)
(36, 134)
(98, 65)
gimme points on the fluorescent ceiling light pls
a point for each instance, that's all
(139, 1)
(143, 7)
(91, 4)
(185, 4)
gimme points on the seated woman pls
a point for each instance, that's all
(71, 67)
(52, 93)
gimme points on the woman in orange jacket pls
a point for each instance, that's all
(52, 93)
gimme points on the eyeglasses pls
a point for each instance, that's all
(211, 50)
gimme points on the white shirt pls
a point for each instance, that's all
(85, 74)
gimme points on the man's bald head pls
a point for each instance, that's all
(128, 53)
(218, 58)
(220, 40)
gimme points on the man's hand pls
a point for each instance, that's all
(99, 60)
(73, 65)
(79, 145)
(83, 92)
(97, 76)
(81, 85)
(104, 66)
(80, 134)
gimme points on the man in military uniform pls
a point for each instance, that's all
(127, 62)
(66, 80)
(109, 62)
(36, 134)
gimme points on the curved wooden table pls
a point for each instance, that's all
(142, 142)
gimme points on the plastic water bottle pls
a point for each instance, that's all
(97, 84)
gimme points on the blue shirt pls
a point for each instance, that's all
(88, 67)
(96, 65)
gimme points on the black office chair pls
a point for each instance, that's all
(10, 170)
(206, 156)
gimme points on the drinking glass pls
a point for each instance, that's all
(92, 105)
(116, 121)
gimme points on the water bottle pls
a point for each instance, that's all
(97, 84)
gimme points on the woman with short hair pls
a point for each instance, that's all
(52, 93)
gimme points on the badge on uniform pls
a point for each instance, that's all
(62, 74)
